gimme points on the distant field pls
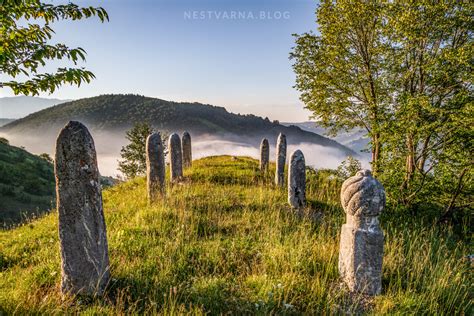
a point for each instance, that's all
(225, 242)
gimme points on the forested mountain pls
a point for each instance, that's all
(117, 113)
(26, 184)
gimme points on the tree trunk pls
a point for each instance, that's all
(375, 153)
(448, 211)
(410, 161)
(424, 154)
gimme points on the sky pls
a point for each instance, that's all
(222, 52)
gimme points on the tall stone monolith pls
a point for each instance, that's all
(361, 246)
(82, 232)
(280, 160)
(297, 180)
(264, 155)
(176, 157)
(155, 166)
(187, 150)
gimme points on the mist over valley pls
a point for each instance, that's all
(214, 130)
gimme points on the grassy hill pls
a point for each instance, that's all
(226, 242)
(118, 113)
(26, 184)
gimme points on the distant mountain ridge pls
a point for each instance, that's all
(21, 106)
(117, 113)
(356, 140)
(5, 121)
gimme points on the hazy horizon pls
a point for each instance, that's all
(5, 113)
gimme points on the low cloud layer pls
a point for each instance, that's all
(108, 147)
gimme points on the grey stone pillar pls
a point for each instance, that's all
(176, 157)
(187, 150)
(361, 247)
(264, 155)
(82, 232)
(155, 166)
(280, 160)
(297, 180)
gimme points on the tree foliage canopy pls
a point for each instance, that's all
(133, 155)
(25, 45)
(403, 72)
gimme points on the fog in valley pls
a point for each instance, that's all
(108, 147)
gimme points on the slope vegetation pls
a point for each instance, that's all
(26, 184)
(225, 242)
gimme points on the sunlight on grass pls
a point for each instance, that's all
(225, 241)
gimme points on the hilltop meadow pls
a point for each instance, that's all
(225, 241)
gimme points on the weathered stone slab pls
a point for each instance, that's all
(187, 150)
(280, 160)
(264, 155)
(297, 180)
(82, 231)
(155, 166)
(176, 157)
(361, 246)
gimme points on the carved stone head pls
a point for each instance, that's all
(362, 195)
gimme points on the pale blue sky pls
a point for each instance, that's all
(194, 50)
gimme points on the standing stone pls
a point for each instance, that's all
(297, 180)
(361, 247)
(264, 155)
(82, 232)
(280, 160)
(187, 150)
(155, 166)
(176, 157)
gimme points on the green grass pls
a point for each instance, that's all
(225, 241)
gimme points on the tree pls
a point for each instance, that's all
(431, 65)
(133, 155)
(349, 167)
(403, 71)
(25, 45)
(339, 72)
